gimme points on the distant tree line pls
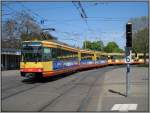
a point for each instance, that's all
(99, 46)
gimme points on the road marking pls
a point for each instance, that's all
(116, 107)
(124, 107)
(133, 106)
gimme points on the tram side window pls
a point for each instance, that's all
(68, 55)
(103, 57)
(58, 54)
(74, 55)
(61, 54)
(65, 55)
(47, 54)
(147, 56)
(97, 58)
(141, 56)
(85, 56)
(133, 57)
(54, 53)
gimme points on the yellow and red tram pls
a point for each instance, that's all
(49, 58)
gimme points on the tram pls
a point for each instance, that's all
(47, 58)
(50, 58)
(116, 58)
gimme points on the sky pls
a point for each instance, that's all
(105, 20)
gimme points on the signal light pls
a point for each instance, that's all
(128, 35)
(135, 54)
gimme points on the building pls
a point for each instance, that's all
(10, 58)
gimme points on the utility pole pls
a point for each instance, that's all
(85, 43)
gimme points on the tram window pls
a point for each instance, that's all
(147, 56)
(98, 58)
(116, 57)
(85, 56)
(111, 57)
(141, 56)
(54, 53)
(59, 54)
(47, 54)
(75, 55)
(133, 57)
(102, 57)
(69, 55)
(62, 54)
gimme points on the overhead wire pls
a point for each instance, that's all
(43, 19)
(81, 11)
(10, 8)
(47, 19)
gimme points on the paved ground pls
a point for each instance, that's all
(115, 81)
(82, 91)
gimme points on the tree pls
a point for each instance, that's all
(21, 27)
(139, 23)
(95, 45)
(8, 34)
(140, 35)
(141, 42)
(87, 45)
(112, 47)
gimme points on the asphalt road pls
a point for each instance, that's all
(80, 91)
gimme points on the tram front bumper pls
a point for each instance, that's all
(31, 70)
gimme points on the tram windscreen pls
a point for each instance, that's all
(31, 53)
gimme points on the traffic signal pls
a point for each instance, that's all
(128, 35)
(135, 54)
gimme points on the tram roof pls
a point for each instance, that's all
(86, 51)
(55, 44)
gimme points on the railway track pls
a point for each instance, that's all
(68, 84)
(87, 98)
(18, 92)
(25, 81)
(74, 85)
(24, 90)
